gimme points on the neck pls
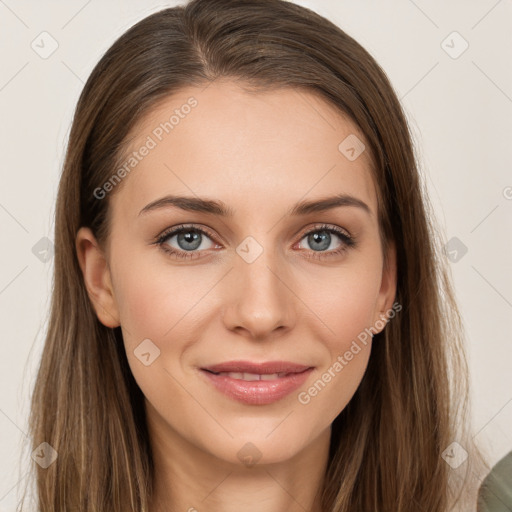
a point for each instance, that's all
(191, 479)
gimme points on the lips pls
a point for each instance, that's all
(257, 368)
(256, 383)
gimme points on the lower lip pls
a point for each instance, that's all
(258, 392)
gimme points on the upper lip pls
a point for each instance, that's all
(257, 368)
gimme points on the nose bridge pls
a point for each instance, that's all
(259, 300)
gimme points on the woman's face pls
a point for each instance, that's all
(274, 279)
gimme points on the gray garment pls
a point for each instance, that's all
(495, 494)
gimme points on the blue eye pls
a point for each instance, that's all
(320, 239)
(190, 240)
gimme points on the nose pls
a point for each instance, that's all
(259, 300)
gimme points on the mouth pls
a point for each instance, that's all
(257, 383)
(249, 377)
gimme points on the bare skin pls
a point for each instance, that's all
(259, 154)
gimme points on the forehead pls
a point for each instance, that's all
(245, 147)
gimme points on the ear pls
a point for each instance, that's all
(97, 277)
(387, 290)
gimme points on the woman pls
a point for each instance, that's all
(250, 309)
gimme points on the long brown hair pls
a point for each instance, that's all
(386, 445)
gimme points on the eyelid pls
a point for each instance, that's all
(205, 230)
(327, 227)
(347, 239)
(183, 227)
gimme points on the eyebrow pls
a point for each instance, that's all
(196, 204)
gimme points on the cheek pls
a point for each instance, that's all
(344, 309)
(344, 302)
(168, 306)
(333, 386)
(156, 301)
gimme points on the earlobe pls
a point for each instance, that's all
(97, 279)
(387, 291)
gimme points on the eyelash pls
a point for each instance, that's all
(347, 241)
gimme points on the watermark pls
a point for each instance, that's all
(455, 455)
(45, 455)
(351, 147)
(146, 352)
(249, 455)
(249, 249)
(44, 45)
(455, 249)
(454, 45)
(304, 397)
(151, 142)
(43, 249)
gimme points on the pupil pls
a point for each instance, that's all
(323, 237)
(189, 240)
